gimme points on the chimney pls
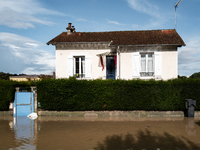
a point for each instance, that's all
(73, 29)
(69, 29)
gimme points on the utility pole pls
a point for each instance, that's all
(175, 11)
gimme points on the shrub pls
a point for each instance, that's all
(73, 95)
(7, 92)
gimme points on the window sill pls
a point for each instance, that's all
(148, 77)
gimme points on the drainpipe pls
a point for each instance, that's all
(110, 43)
(118, 51)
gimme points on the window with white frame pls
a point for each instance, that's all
(147, 65)
(79, 66)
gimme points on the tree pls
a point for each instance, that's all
(42, 76)
(195, 75)
(182, 77)
(5, 76)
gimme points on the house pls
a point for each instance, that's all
(150, 54)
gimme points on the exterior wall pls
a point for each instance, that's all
(128, 64)
(168, 62)
(62, 56)
(169, 65)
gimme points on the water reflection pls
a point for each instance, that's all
(24, 132)
(99, 133)
(190, 127)
(17, 133)
(145, 140)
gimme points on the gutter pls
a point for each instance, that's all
(54, 43)
(179, 45)
(118, 51)
(109, 44)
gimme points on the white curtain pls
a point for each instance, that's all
(150, 63)
(143, 63)
(83, 65)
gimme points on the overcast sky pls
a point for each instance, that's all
(27, 25)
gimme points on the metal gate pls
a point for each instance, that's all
(23, 103)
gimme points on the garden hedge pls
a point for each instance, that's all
(79, 95)
(7, 92)
(74, 95)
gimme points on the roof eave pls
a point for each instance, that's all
(178, 45)
(54, 43)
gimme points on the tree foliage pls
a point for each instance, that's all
(195, 75)
(5, 76)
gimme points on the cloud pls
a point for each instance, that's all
(23, 13)
(114, 22)
(189, 57)
(23, 55)
(157, 18)
(144, 6)
(81, 19)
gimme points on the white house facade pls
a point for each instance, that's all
(151, 54)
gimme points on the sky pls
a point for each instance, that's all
(27, 25)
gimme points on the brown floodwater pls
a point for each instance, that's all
(99, 133)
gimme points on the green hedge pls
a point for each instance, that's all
(7, 92)
(74, 95)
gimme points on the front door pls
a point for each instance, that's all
(110, 67)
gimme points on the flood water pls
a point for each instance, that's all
(99, 133)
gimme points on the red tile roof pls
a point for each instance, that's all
(148, 37)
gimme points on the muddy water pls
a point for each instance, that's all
(100, 133)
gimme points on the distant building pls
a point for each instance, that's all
(150, 54)
(25, 78)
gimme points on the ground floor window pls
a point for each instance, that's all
(147, 68)
(79, 67)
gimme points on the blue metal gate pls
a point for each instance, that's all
(23, 104)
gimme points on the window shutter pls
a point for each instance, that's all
(136, 65)
(88, 68)
(69, 67)
(158, 65)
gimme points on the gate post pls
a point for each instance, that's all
(34, 90)
(17, 89)
(14, 104)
